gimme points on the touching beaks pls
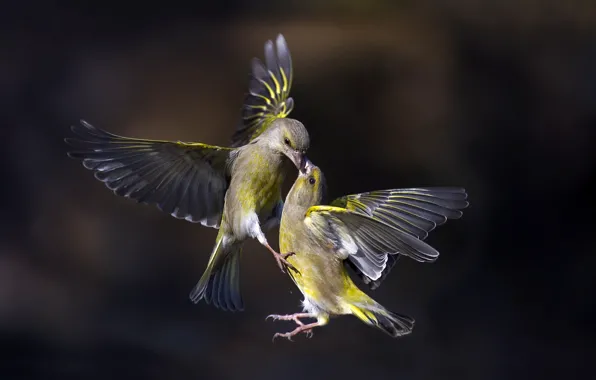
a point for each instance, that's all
(301, 161)
(306, 166)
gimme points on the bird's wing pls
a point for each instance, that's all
(186, 180)
(364, 241)
(373, 284)
(268, 92)
(415, 211)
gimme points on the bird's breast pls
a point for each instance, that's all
(256, 184)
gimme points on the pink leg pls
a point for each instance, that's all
(291, 317)
(281, 259)
(307, 329)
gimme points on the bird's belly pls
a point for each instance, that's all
(320, 280)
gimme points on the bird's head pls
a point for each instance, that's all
(289, 137)
(310, 187)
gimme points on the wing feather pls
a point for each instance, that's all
(186, 180)
(414, 211)
(364, 241)
(268, 97)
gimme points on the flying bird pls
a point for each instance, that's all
(236, 189)
(367, 231)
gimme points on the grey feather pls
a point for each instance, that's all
(367, 241)
(186, 180)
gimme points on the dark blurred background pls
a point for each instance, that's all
(497, 97)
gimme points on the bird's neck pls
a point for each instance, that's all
(293, 213)
(273, 159)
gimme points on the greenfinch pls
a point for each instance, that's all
(364, 230)
(236, 189)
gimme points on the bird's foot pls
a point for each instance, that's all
(307, 329)
(282, 261)
(291, 317)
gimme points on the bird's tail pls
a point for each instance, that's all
(373, 314)
(220, 283)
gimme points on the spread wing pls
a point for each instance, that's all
(186, 180)
(268, 93)
(364, 241)
(415, 211)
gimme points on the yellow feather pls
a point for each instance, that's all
(285, 79)
(266, 99)
(277, 87)
(271, 93)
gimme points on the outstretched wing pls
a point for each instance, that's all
(415, 211)
(186, 180)
(364, 241)
(268, 93)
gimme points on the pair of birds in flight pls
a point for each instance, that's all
(237, 190)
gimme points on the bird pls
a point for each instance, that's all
(236, 189)
(360, 230)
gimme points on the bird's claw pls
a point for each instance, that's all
(306, 329)
(290, 317)
(288, 336)
(286, 255)
(283, 262)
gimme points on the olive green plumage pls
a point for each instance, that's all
(236, 189)
(364, 230)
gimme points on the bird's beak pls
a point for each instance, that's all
(300, 161)
(303, 163)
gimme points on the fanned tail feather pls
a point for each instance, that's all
(377, 316)
(220, 283)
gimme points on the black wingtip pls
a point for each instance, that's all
(71, 142)
(82, 130)
(456, 215)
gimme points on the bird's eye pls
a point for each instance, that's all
(311, 180)
(287, 141)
